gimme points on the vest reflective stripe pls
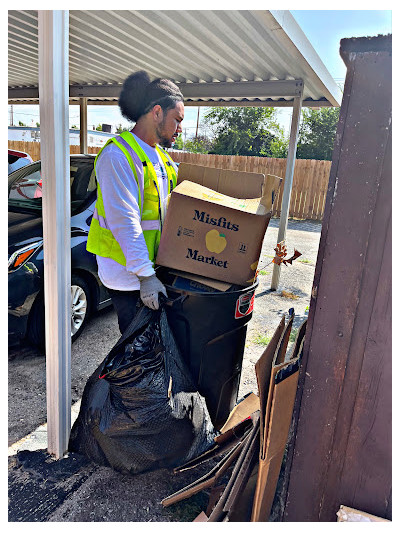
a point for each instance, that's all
(100, 239)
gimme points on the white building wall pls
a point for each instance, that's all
(30, 134)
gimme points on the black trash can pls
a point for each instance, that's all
(210, 330)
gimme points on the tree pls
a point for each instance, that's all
(243, 130)
(74, 127)
(317, 133)
(21, 123)
(178, 145)
(199, 145)
(99, 128)
(120, 129)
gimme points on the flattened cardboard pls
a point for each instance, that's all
(213, 235)
(235, 431)
(243, 475)
(268, 472)
(202, 517)
(214, 284)
(206, 481)
(241, 411)
(263, 371)
(348, 514)
(218, 514)
(221, 446)
(278, 416)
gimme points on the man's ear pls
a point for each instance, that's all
(157, 113)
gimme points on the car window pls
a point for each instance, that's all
(28, 186)
(15, 162)
(25, 185)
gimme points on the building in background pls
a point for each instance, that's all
(32, 134)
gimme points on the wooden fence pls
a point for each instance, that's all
(310, 179)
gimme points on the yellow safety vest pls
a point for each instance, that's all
(101, 241)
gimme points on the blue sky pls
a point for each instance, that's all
(323, 28)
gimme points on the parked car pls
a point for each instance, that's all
(25, 251)
(17, 160)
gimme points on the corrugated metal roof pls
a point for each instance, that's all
(198, 49)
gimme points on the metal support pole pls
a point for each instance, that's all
(287, 191)
(53, 29)
(197, 125)
(83, 125)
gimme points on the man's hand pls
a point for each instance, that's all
(150, 286)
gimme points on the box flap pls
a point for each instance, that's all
(255, 206)
(234, 183)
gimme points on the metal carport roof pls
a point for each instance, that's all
(258, 58)
(217, 57)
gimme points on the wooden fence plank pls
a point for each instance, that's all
(310, 180)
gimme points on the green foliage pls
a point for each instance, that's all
(178, 145)
(74, 127)
(292, 336)
(199, 145)
(317, 133)
(279, 146)
(120, 129)
(262, 339)
(38, 124)
(187, 510)
(245, 131)
(98, 127)
(21, 123)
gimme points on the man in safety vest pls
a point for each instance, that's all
(134, 176)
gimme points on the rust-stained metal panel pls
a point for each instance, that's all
(342, 451)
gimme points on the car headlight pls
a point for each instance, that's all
(22, 255)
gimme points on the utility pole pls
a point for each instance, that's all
(197, 125)
(12, 115)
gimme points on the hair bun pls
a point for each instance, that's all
(133, 95)
(138, 93)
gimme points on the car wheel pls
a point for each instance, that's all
(81, 307)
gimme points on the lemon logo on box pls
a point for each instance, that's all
(215, 241)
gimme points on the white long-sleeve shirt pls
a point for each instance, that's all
(121, 204)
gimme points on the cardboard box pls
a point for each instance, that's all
(193, 282)
(213, 235)
(230, 182)
(233, 183)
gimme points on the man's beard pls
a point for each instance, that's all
(165, 142)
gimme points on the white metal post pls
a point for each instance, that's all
(287, 191)
(83, 125)
(53, 29)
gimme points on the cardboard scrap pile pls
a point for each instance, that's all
(253, 439)
(216, 222)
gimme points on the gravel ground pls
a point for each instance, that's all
(106, 495)
(26, 368)
(295, 282)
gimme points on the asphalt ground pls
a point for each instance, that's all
(75, 490)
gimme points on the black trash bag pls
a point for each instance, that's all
(140, 410)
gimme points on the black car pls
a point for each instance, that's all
(25, 251)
